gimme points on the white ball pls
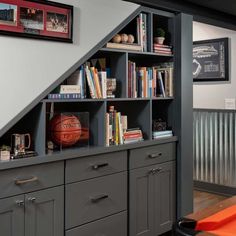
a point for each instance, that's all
(124, 38)
(130, 38)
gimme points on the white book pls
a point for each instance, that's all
(103, 82)
(121, 137)
(90, 82)
(70, 89)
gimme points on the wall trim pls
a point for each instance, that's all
(214, 188)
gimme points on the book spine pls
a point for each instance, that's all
(161, 84)
(121, 139)
(107, 130)
(64, 96)
(89, 81)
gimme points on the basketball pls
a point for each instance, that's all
(65, 129)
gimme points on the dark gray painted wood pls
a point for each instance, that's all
(12, 216)
(40, 137)
(141, 208)
(152, 199)
(95, 166)
(164, 197)
(215, 188)
(96, 198)
(47, 175)
(44, 215)
(115, 225)
(183, 113)
(140, 157)
(80, 152)
(118, 68)
(158, 12)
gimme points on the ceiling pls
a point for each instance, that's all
(221, 13)
(226, 6)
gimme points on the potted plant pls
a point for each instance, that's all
(160, 36)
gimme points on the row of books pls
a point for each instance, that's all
(142, 31)
(147, 82)
(162, 134)
(162, 49)
(117, 131)
(86, 77)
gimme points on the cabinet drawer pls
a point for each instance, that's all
(151, 155)
(115, 225)
(95, 166)
(27, 179)
(96, 198)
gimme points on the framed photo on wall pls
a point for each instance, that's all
(36, 19)
(211, 60)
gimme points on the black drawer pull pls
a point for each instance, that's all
(99, 198)
(25, 181)
(98, 166)
(155, 155)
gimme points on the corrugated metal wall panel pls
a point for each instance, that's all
(215, 147)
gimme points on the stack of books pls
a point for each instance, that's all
(117, 131)
(74, 89)
(162, 49)
(162, 134)
(133, 135)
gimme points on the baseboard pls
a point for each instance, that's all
(214, 188)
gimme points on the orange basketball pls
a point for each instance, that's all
(65, 129)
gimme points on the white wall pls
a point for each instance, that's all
(28, 67)
(212, 95)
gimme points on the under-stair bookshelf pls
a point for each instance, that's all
(140, 107)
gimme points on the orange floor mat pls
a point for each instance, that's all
(222, 223)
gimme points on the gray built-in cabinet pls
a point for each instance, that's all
(33, 213)
(152, 190)
(126, 190)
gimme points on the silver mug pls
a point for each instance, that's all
(19, 143)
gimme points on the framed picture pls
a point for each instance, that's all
(37, 19)
(211, 60)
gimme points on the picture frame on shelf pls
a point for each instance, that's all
(37, 19)
(211, 60)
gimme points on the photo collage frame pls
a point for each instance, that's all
(36, 19)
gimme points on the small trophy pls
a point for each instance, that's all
(111, 87)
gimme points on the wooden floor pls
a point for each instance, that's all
(204, 199)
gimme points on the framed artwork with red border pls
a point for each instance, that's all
(38, 19)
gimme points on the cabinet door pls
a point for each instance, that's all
(164, 197)
(141, 202)
(44, 214)
(12, 216)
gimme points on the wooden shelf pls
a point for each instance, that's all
(135, 52)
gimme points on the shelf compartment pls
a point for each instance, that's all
(149, 60)
(163, 110)
(138, 114)
(95, 111)
(116, 62)
(167, 24)
(33, 124)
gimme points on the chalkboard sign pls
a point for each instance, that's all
(210, 60)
